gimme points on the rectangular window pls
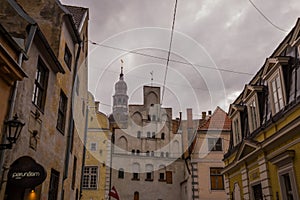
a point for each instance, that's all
(276, 91)
(62, 110)
(90, 177)
(53, 185)
(135, 176)
(149, 176)
(236, 131)
(74, 172)
(216, 179)
(161, 176)
(253, 115)
(40, 86)
(93, 146)
(214, 144)
(169, 178)
(68, 57)
(286, 187)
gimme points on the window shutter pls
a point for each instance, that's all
(169, 177)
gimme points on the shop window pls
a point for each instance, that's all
(214, 144)
(90, 177)
(40, 85)
(216, 179)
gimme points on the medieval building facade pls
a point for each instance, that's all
(50, 146)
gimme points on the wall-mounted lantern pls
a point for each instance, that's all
(13, 130)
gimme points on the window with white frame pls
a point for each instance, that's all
(214, 144)
(276, 93)
(93, 146)
(90, 177)
(237, 135)
(287, 181)
(253, 114)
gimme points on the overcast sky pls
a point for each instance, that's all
(209, 34)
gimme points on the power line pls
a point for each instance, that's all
(171, 60)
(169, 52)
(266, 18)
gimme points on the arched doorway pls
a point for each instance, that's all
(136, 196)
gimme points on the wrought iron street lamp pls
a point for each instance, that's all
(13, 130)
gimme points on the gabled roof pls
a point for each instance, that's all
(219, 120)
(77, 14)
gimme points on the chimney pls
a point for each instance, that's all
(209, 112)
(204, 115)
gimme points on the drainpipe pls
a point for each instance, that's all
(71, 121)
(84, 149)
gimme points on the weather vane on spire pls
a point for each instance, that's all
(121, 75)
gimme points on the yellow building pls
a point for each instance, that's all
(264, 155)
(96, 170)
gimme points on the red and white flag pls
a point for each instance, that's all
(113, 193)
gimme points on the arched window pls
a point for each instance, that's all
(137, 152)
(162, 172)
(149, 172)
(136, 171)
(147, 153)
(122, 143)
(148, 134)
(136, 196)
(163, 136)
(121, 173)
(132, 151)
(152, 153)
(161, 154)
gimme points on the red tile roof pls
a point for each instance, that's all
(219, 120)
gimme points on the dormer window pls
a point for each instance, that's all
(253, 113)
(275, 87)
(237, 135)
(273, 74)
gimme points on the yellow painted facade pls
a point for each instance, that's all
(265, 162)
(97, 152)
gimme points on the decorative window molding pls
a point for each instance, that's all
(253, 113)
(273, 74)
(236, 125)
(286, 175)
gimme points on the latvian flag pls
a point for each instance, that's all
(113, 193)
